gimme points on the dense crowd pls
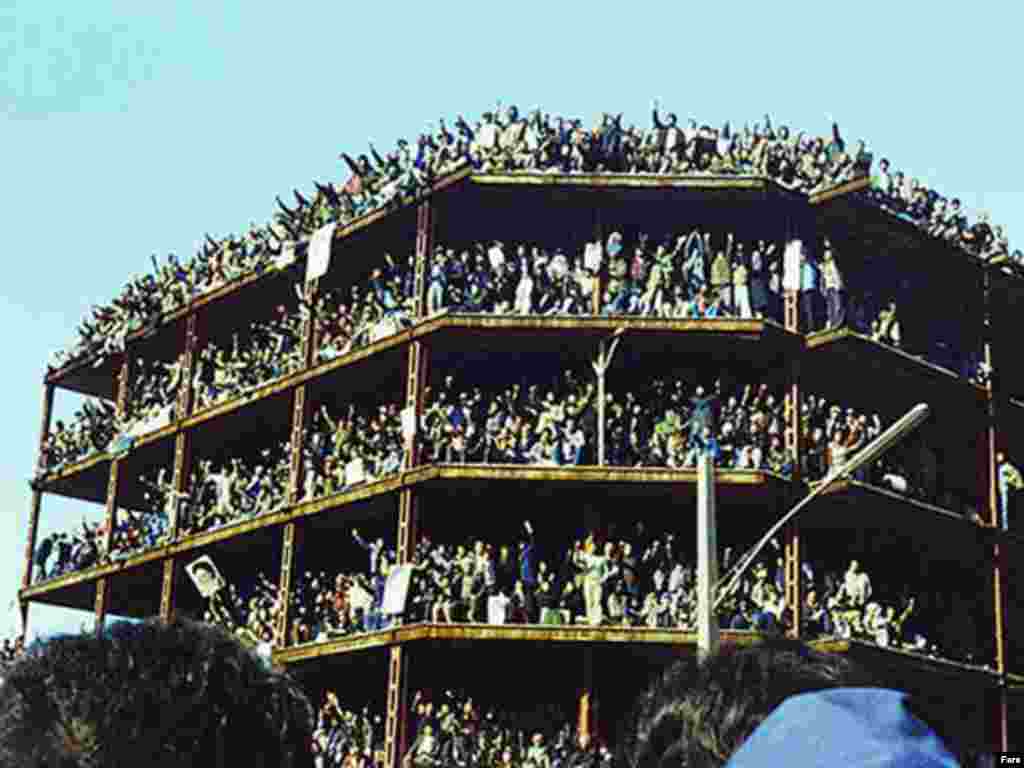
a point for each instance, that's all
(942, 218)
(453, 731)
(351, 447)
(271, 349)
(90, 431)
(344, 738)
(506, 141)
(250, 612)
(342, 603)
(68, 551)
(380, 307)
(630, 580)
(234, 490)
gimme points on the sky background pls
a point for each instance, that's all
(126, 132)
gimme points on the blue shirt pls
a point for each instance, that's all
(809, 276)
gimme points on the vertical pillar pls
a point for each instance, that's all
(396, 730)
(310, 340)
(587, 720)
(167, 588)
(100, 605)
(425, 229)
(190, 350)
(588, 703)
(300, 425)
(37, 494)
(291, 536)
(396, 727)
(599, 281)
(999, 560)
(794, 447)
(708, 638)
(114, 483)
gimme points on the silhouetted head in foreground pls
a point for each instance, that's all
(777, 703)
(163, 695)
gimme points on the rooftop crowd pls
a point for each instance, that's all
(507, 141)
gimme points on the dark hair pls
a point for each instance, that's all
(161, 694)
(697, 715)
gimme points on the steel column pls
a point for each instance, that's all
(300, 425)
(396, 731)
(291, 535)
(100, 606)
(309, 335)
(167, 589)
(425, 229)
(191, 343)
(114, 480)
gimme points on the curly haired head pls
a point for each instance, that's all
(166, 695)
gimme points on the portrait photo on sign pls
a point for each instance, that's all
(205, 576)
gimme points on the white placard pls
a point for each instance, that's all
(319, 256)
(409, 423)
(592, 257)
(496, 609)
(791, 264)
(496, 257)
(354, 472)
(396, 590)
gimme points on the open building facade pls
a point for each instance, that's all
(955, 312)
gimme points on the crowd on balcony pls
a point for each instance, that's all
(65, 552)
(271, 349)
(380, 307)
(351, 447)
(452, 731)
(233, 490)
(152, 394)
(249, 612)
(344, 738)
(89, 431)
(630, 580)
(342, 603)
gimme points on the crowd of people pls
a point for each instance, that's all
(353, 446)
(271, 349)
(249, 612)
(505, 141)
(89, 431)
(454, 731)
(632, 579)
(344, 738)
(942, 217)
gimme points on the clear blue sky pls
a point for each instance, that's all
(127, 132)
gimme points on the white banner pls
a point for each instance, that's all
(592, 257)
(409, 423)
(396, 590)
(158, 421)
(791, 266)
(354, 472)
(319, 257)
(496, 256)
(496, 609)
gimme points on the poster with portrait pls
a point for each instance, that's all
(205, 576)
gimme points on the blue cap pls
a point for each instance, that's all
(843, 726)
